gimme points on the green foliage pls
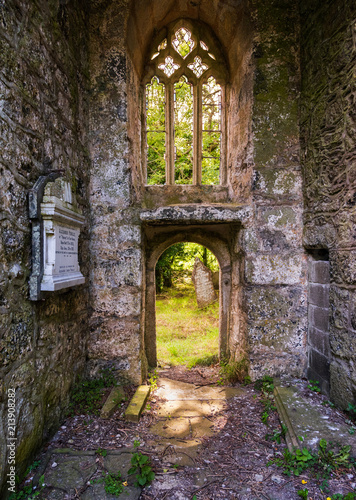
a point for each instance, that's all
(141, 467)
(314, 385)
(183, 132)
(277, 435)
(206, 360)
(351, 409)
(303, 493)
(101, 452)
(112, 483)
(29, 492)
(185, 333)
(32, 467)
(87, 394)
(152, 379)
(247, 380)
(266, 387)
(321, 464)
(155, 103)
(349, 496)
(178, 259)
(328, 403)
(233, 371)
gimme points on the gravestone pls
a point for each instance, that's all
(202, 279)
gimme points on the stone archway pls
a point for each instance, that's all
(214, 237)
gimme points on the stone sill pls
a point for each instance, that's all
(156, 196)
(192, 214)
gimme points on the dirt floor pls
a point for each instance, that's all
(231, 464)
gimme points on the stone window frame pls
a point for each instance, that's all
(217, 69)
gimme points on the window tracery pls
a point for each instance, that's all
(184, 88)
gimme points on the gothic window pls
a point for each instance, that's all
(184, 112)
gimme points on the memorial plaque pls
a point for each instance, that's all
(61, 228)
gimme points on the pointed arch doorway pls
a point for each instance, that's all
(215, 237)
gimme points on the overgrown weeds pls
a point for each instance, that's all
(266, 387)
(233, 371)
(321, 464)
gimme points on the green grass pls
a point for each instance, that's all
(186, 335)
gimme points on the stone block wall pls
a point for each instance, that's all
(318, 320)
(275, 261)
(328, 140)
(43, 127)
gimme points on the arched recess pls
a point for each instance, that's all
(157, 242)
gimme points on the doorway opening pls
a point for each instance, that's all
(187, 306)
(220, 239)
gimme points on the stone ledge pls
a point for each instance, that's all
(116, 396)
(137, 403)
(198, 214)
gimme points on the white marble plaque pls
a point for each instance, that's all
(61, 229)
(66, 250)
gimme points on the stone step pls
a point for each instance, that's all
(137, 403)
(115, 397)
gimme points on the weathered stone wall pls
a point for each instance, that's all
(275, 264)
(263, 172)
(43, 125)
(116, 249)
(328, 61)
(318, 319)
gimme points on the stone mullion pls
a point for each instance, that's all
(197, 133)
(169, 133)
(223, 173)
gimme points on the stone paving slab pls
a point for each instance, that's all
(190, 408)
(305, 419)
(176, 451)
(173, 390)
(71, 472)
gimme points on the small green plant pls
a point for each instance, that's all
(351, 410)
(321, 464)
(277, 435)
(32, 467)
(303, 493)
(314, 386)
(28, 492)
(152, 379)
(349, 496)
(247, 380)
(141, 467)
(328, 403)
(112, 483)
(266, 387)
(233, 371)
(101, 452)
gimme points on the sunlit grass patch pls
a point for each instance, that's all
(186, 335)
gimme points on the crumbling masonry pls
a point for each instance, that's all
(282, 224)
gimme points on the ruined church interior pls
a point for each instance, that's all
(96, 183)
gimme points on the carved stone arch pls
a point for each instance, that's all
(157, 242)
